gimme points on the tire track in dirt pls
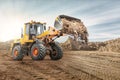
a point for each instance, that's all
(34, 70)
(74, 69)
(102, 69)
(75, 65)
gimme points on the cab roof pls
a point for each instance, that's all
(34, 22)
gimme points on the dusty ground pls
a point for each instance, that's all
(75, 65)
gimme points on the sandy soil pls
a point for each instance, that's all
(75, 65)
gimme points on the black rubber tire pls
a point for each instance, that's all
(20, 54)
(59, 52)
(41, 51)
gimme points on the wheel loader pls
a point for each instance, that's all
(37, 41)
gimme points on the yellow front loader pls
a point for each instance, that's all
(36, 41)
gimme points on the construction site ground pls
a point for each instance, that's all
(75, 65)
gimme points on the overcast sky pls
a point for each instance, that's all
(101, 17)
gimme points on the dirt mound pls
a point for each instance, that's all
(71, 44)
(5, 46)
(95, 45)
(111, 45)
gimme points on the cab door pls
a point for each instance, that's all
(26, 35)
(26, 32)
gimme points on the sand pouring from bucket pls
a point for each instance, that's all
(72, 26)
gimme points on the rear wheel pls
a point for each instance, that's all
(17, 53)
(38, 52)
(56, 52)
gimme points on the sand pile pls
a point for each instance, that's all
(108, 46)
(5, 46)
(71, 44)
(111, 46)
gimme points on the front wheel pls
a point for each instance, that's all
(38, 52)
(56, 52)
(17, 53)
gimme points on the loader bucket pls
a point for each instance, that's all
(72, 26)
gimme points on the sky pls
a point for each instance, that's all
(101, 17)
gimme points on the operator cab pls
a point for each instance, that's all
(34, 29)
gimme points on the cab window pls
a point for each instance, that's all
(27, 29)
(40, 29)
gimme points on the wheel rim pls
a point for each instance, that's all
(54, 52)
(35, 52)
(16, 52)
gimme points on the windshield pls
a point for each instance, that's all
(39, 28)
(35, 28)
